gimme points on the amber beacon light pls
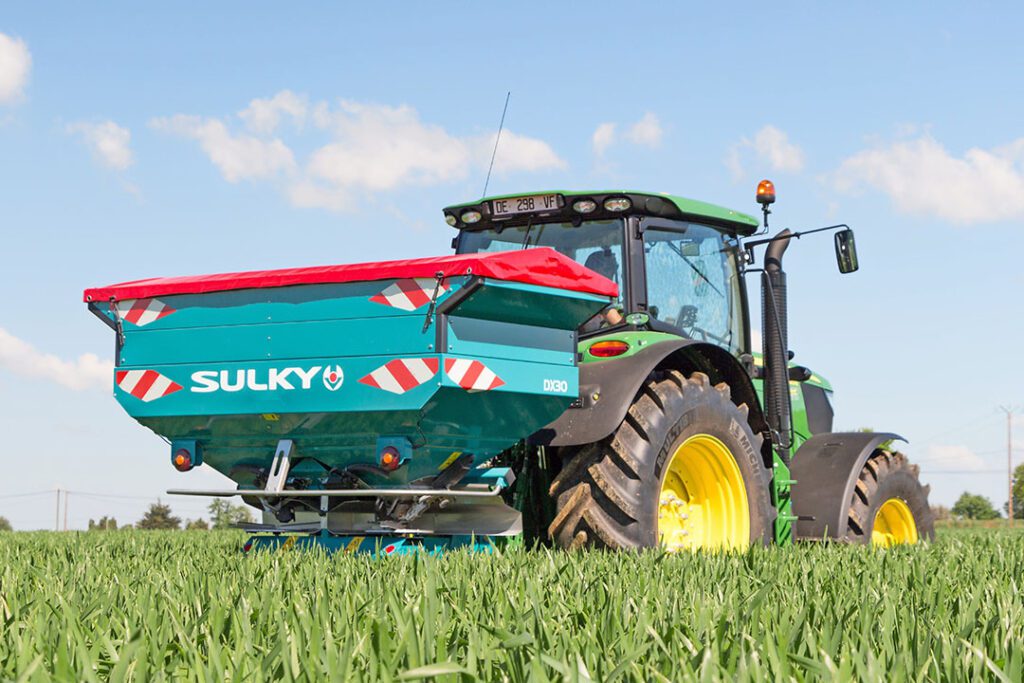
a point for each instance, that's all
(765, 192)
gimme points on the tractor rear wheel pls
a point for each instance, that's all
(889, 504)
(683, 470)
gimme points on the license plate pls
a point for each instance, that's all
(504, 208)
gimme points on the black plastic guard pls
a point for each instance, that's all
(607, 389)
(826, 468)
(616, 382)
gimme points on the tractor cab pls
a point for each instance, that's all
(677, 261)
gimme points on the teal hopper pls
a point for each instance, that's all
(357, 401)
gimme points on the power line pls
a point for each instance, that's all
(964, 425)
(949, 457)
(94, 494)
(113, 495)
(928, 472)
(26, 495)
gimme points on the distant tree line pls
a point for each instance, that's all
(973, 506)
(223, 515)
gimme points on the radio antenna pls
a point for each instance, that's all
(496, 139)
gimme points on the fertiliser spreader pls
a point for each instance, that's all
(579, 373)
(358, 401)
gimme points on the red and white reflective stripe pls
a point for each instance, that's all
(142, 311)
(146, 385)
(471, 375)
(409, 294)
(402, 374)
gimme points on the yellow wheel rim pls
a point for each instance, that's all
(894, 524)
(703, 502)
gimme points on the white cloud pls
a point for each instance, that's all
(378, 147)
(603, 137)
(517, 153)
(952, 458)
(239, 157)
(15, 65)
(368, 148)
(263, 116)
(647, 131)
(922, 178)
(87, 372)
(109, 142)
(771, 146)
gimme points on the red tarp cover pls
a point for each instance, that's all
(540, 266)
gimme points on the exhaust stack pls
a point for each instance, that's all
(775, 344)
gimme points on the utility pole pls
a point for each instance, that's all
(1009, 461)
(68, 493)
(56, 519)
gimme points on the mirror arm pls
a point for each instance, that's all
(748, 247)
(798, 235)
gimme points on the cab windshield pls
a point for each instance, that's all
(594, 244)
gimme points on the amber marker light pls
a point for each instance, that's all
(608, 349)
(766, 192)
(183, 460)
(390, 459)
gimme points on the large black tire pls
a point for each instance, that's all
(607, 493)
(885, 476)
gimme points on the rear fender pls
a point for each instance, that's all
(826, 468)
(608, 388)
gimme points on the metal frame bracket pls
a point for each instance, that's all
(278, 474)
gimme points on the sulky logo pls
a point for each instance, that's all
(333, 377)
(268, 379)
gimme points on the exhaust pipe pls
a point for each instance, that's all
(775, 344)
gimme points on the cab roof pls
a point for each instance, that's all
(641, 203)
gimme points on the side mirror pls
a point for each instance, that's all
(846, 251)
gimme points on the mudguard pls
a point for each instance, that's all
(825, 469)
(608, 388)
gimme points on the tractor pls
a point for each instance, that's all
(580, 372)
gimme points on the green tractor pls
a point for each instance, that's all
(683, 434)
(580, 372)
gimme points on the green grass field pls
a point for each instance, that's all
(188, 606)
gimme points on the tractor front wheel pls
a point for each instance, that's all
(683, 470)
(889, 505)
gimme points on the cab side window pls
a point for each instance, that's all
(692, 283)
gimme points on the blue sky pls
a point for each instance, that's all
(189, 139)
